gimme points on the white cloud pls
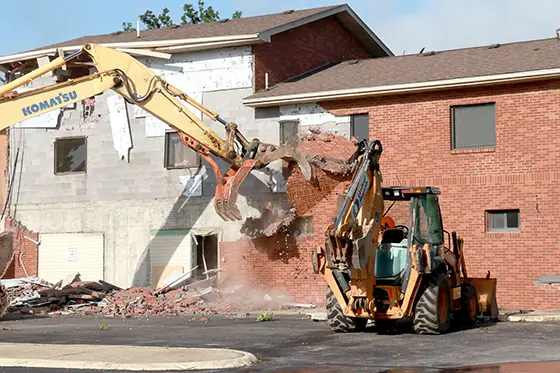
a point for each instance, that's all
(447, 24)
(409, 25)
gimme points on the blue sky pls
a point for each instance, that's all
(404, 25)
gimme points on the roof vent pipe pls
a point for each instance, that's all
(138, 27)
(266, 80)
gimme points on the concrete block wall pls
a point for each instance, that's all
(126, 200)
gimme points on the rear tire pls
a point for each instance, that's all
(469, 306)
(338, 321)
(433, 310)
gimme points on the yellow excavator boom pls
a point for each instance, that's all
(141, 86)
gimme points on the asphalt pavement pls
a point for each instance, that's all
(294, 343)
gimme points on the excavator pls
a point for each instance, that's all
(140, 86)
(396, 275)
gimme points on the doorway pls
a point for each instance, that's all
(206, 256)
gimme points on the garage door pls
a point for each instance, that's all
(63, 254)
(170, 251)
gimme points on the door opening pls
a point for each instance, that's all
(206, 256)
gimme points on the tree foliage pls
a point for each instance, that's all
(191, 16)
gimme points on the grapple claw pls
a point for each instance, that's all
(268, 153)
(225, 202)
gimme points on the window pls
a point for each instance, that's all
(473, 126)
(70, 155)
(359, 126)
(302, 226)
(289, 130)
(503, 221)
(177, 154)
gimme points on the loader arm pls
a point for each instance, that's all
(141, 86)
(351, 240)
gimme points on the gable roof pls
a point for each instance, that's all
(491, 64)
(249, 30)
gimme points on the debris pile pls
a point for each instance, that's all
(180, 297)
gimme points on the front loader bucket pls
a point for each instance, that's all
(486, 290)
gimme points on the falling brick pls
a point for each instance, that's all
(328, 154)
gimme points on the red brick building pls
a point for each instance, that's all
(217, 63)
(482, 124)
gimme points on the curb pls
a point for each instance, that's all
(245, 359)
(533, 318)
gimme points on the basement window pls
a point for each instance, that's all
(473, 126)
(359, 126)
(70, 155)
(177, 154)
(503, 221)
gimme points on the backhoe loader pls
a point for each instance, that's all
(396, 274)
(140, 86)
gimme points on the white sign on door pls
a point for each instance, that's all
(72, 255)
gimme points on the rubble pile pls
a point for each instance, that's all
(99, 298)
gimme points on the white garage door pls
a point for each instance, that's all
(64, 254)
(170, 251)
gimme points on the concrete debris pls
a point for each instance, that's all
(331, 165)
(99, 298)
(272, 221)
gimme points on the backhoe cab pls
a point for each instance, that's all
(408, 271)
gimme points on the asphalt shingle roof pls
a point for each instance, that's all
(441, 65)
(247, 25)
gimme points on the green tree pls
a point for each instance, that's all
(191, 16)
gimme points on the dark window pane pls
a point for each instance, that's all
(513, 219)
(289, 133)
(359, 127)
(474, 126)
(70, 155)
(178, 155)
(505, 220)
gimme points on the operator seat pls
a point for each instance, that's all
(391, 257)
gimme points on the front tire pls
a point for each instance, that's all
(433, 310)
(469, 306)
(338, 321)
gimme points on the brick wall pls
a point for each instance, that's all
(521, 172)
(303, 48)
(22, 245)
(282, 263)
(415, 132)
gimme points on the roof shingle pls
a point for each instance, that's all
(442, 65)
(247, 25)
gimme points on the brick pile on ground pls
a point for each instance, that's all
(93, 298)
(328, 155)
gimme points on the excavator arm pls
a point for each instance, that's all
(141, 86)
